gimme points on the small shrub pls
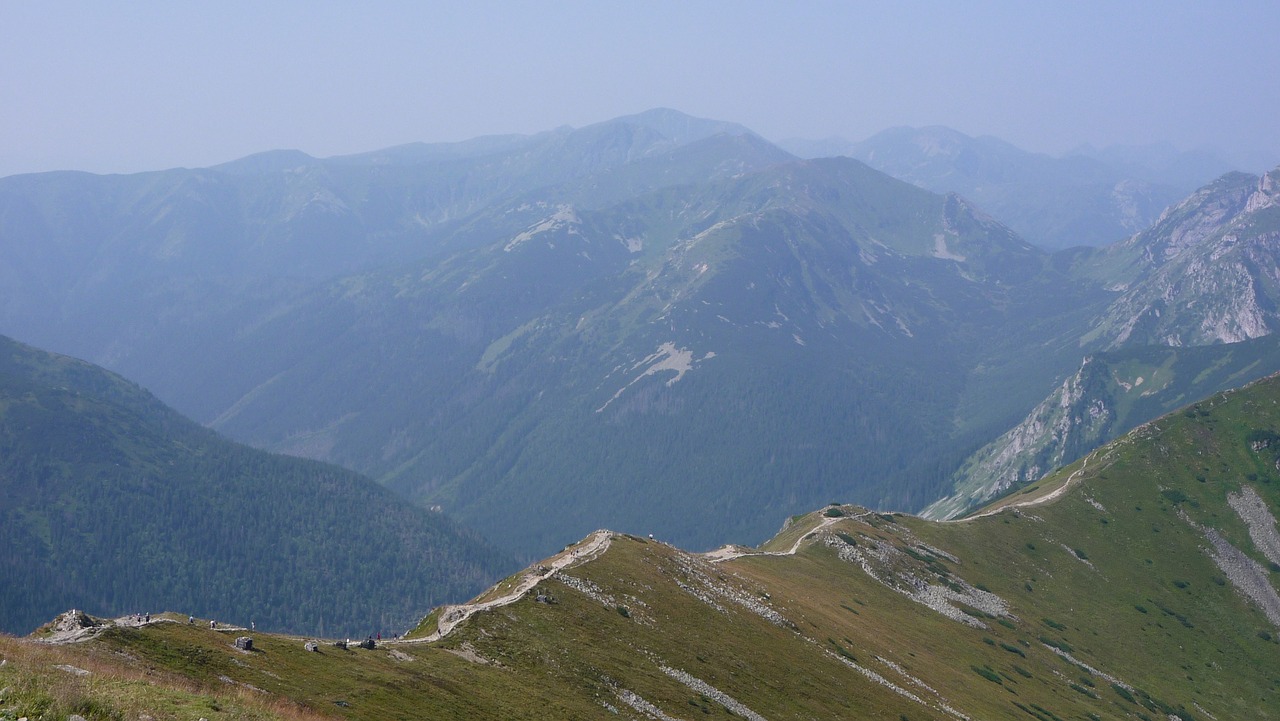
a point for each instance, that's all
(1080, 554)
(833, 513)
(1053, 624)
(1021, 671)
(1181, 583)
(988, 674)
(1140, 609)
(624, 612)
(1060, 645)
(1123, 693)
(1013, 649)
(1081, 689)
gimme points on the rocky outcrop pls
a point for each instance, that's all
(1207, 272)
(1078, 416)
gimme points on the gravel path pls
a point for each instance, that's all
(451, 616)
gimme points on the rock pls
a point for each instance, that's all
(73, 620)
(244, 643)
(368, 643)
(76, 717)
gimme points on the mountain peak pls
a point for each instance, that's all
(681, 128)
(270, 161)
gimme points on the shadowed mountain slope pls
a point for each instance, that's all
(114, 503)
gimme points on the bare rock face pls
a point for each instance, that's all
(1204, 273)
(71, 627)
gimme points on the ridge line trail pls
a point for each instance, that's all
(1052, 495)
(726, 553)
(451, 616)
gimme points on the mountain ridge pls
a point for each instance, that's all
(845, 613)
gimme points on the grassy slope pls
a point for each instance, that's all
(1114, 572)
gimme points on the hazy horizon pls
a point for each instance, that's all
(114, 89)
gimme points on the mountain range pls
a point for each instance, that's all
(1086, 197)
(656, 323)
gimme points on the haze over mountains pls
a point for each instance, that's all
(656, 323)
(1087, 197)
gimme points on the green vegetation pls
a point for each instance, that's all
(116, 504)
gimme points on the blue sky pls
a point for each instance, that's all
(122, 87)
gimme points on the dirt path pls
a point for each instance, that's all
(451, 616)
(1054, 494)
(728, 553)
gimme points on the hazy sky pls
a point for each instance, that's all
(127, 86)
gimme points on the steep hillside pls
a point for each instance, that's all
(1203, 276)
(1136, 584)
(1205, 273)
(114, 503)
(1112, 393)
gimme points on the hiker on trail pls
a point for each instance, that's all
(213, 623)
(191, 620)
